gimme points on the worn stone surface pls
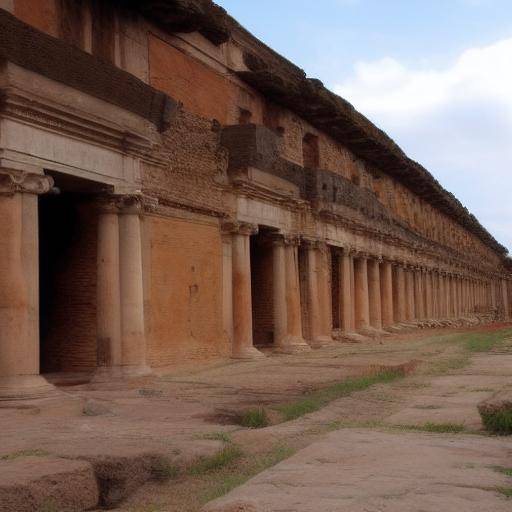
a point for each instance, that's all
(365, 471)
(30, 483)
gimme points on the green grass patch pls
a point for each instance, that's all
(505, 491)
(246, 469)
(497, 421)
(224, 457)
(255, 418)
(484, 341)
(48, 505)
(216, 436)
(438, 428)
(163, 470)
(315, 400)
(503, 470)
(25, 453)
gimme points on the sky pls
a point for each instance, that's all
(436, 75)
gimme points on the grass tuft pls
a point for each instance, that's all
(163, 470)
(438, 428)
(244, 472)
(503, 470)
(36, 452)
(216, 436)
(217, 461)
(255, 418)
(497, 421)
(484, 341)
(506, 491)
(315, 400)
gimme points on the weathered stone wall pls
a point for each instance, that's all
(196, 169)
(184, 298)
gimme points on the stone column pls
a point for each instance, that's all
(374, 292)
(428, 295)
(418, 294)
(386, 293)
(288, 336)
(399, 294)
(227, 283)
(455, 281)
(410, 302)
(19, 285)
(323, 261)
(243, 347)
(441, 297)
(108, 293)
(347, 292)
(320, 323)
(493, 294)
(362, 306)
(504, 293)
(435, 295)
(133, 336)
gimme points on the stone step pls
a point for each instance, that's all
(47, 483)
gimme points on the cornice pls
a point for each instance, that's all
(45, 114)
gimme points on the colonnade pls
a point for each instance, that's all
(375, 294)
(120, 304)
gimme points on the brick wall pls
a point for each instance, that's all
(197, 164)
(201, 89)
(184, 292)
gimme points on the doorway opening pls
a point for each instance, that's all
(67, 276)
(262, 289)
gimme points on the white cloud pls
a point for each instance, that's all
(456, 121)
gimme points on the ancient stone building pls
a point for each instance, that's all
(173, 191)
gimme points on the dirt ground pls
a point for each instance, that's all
(366, 451)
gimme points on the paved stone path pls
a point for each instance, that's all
(368, 471)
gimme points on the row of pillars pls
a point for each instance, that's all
(374, 294)
(120, 303)
(287, 310)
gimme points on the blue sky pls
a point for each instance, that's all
(435, 75)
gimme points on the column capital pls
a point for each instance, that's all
(311, 243)
(14, 181)
(239, 228)
(126, 203)
(136, 203)
(291, 239)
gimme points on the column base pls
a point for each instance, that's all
(372, 332)
(248, 353)
(107, 374)
(352, 337)
(25, 387)
(292, 345)
(135, 371)
(321, 341)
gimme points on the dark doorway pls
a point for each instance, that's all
(262, 288)
(67, 276)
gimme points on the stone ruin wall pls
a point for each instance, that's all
(190, 178)
(176, 65)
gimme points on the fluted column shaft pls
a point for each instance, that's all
(362, 306)
(347, 292)
(374, 294)
(19, 285)
(386, 292)
(243, 347)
